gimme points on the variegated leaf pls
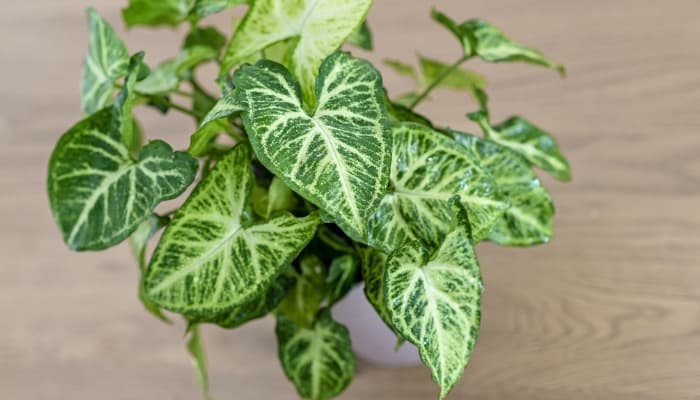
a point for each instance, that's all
(320, 28)
(257, 307)
(373, 274)
(213, 256)
(528, 220)
(339, 157)
(429, 169)
(342, 276)
(99, 194)
(434, 299)
(538, 147)
(214, 123)
(106, 61)
(318, 360)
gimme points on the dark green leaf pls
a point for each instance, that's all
(373, 274)
(342, 276)
(318, 360)
(465, 36)
(207, 36)
(338, 158)
(306, 297)
(106, 61)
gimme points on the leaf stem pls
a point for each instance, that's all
(444, 74)
(195, 346)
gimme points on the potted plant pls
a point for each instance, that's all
(308, 180)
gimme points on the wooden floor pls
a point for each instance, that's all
(609, 310)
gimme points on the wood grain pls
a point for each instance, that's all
(609, 310)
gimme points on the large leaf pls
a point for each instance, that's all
(538, 147)
(106, 61)
(528, 220)
(373, 274)
(320, 27)
(318, 360)
(429, 169)
(434, 299)
(156, 12)
(339, 157)
(213, 256)
(99, 194)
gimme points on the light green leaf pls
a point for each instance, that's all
(156, 12)
(195, 346)
(207, 36)
(460, 79)
(106, 61)
(167, 76)
(342, 276)
(278, 197)
(338, 158)
(321, 27)
(99, 195)
(528, 220)
(318, 360)
(257, 307)
(202, 8)
(538, 147)
(429, 169)
(215, 122)
(373, 274)
(465, 36)
(402, 68)
(361, 37)
(225, 107)
(304, 300)
(213, 256)
(434, 299)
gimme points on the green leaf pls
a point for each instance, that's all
(304, 300)
(215, 122)
(428, 170)
(528, 220)
(99, 195)
(361, 37)
(213, 256)
(342, 276)
(339, 157)
(156, 12)
(318, 360)
(538, 147)
(225, 107)
(465, 36)
(278, 197)
(167, 76)
(320, 27)
(138, 241)
(195, 346)
(402, 68)
(207, 36)
(257, 307)
(106, 61)
(460, 79)
(374, 274)
(202, 8)
(333, 240)
(434, 299)
(401, 113)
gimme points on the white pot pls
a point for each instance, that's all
(371, 339)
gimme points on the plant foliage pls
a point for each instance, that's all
(307, 180)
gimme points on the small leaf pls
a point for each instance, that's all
(434, 299)
(528, 220)
(99, 195)
(538, 147)
(342, 276)
(319, 361)
(321, 27)
(402, 68)
(167, 76)
(207, 36)
(361, 37)
(278, 197)
(465, 36)
(202, 8)
(304, 300)
(459, 79)
(401, 113)
(212, 256)
(338, 158)
(334, 240)
(215, 122)
(428, 170)
(106, 61)
(156, 12)
(195, 347)
(225, 107)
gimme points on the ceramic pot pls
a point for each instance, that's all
(371, 339)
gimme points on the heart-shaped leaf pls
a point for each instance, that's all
(213, 256)
(538, 147)
(339, 157)
(320, 28)
(528, 220)
(99, 195)
(434, 299)
(318, 360)
(429, 169)
(106, 61)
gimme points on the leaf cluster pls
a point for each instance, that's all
(308, 179)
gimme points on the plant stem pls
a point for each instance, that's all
(195, 347)
(446, 72)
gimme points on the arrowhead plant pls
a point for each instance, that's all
(303, 179)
